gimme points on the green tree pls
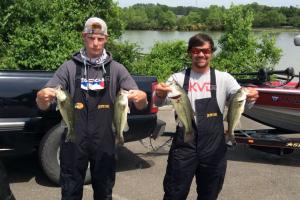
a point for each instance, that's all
(125, 53)
(167, 20)
(195, 17)
(268, 53)
(272, 18)
(41, 34)
(183, 23)
(196, 20)
(295, 21)
(149, 17)
(136, 19)
(215, 18)
(277, 19)
(182, 10)
(164, 59)
(240, 50)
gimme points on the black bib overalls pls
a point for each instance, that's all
(204, 157)
(94, 144)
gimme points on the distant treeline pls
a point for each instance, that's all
(162, 17)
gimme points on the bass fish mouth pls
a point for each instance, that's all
(175, 97)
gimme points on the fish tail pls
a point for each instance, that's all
(120, 139)
(230, 133)
(70, 136)
(230, 140)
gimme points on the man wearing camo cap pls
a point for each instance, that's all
(93, 79)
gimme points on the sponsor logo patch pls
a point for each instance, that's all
(211, 115)
(79, 106)
(103, 106)
(92, 84)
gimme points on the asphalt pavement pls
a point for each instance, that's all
(251, 174)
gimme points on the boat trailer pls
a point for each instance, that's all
(269, 140)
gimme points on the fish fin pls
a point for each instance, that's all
(126, 128)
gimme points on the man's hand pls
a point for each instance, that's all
(252, 94)
(139, 98)
(162, 90)
(44, 98)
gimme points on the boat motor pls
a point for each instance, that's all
(297, 40)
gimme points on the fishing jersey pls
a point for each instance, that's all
(199, 86)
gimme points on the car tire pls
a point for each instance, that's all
(49, 154)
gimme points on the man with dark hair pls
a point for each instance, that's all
(5, 192)
(205, 156)
(93, 79)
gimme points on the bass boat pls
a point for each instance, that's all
(278, 104)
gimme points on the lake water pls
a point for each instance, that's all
(284, 40)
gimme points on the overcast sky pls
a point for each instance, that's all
(207, 3)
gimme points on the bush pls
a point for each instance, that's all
(164, 59)
(125, 53)
(41, 34)
(241, 51)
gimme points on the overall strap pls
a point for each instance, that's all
(186, 79)
(77, 76)
(78, 93)
(106, 75)
(213, 85)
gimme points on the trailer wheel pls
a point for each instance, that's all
(49, 154)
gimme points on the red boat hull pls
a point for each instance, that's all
(278, 108)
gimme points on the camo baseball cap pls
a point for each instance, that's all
(95, 25)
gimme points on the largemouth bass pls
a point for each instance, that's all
(121, 109)
(66, 109)
(183, 108)
(235, 109)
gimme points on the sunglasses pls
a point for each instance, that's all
(204, 51)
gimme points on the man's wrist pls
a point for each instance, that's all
(141, 105)
(41, 105)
